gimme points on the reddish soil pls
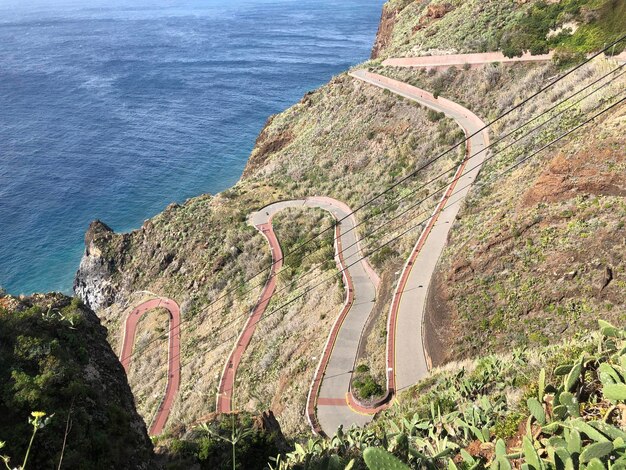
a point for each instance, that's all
(587, 171)
(433, 13)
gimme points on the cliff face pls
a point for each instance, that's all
(54, 357)
(93, 282)
(385, 30)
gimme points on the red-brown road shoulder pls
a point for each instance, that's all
(173, 374)
(227, 382)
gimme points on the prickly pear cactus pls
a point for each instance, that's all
(377, 458)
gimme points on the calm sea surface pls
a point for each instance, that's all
(114, 109)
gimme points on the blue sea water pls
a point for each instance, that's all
(113, 109)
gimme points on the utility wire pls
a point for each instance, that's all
(146, 347)
(415, 172)
(418, 224)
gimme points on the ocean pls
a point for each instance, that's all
(113, 109)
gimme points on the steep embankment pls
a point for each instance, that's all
(54, 357)
(341, 141)
(348, 141)
(538, 254)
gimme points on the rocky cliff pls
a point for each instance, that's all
(55, 358)
(93, 281)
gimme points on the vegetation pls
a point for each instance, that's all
(228, 442)
(572, 27)
(54, 356)
(364, 385)
(533, 253)
(558, 407)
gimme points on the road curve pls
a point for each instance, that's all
(339, 356)
(173, 379)
(330, 402)
(227, 382)
(407, 360)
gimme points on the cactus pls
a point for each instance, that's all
(571, 403)
(501, 462)
(591, 433)
(536, 409)
(560, 411)
(573, 377)
(379, 459)
(552, 427)
(530, 455)
(596, 464)
(574, 442)
(609, 330)
(541, 388)
(597, 450)
(563, 369)
(612, 432)
(608, 375)
(615, 392)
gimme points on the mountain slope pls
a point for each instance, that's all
(54, 358)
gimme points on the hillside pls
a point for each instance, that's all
(530, 258)
(560, 406)
(54, 358)
(340, 141)
(570, 27)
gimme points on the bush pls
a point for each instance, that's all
(367, 387)
(434, 116)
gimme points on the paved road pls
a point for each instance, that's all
(173, 380)
(330, 403)
(339, 357)
(227, 382)
(445, 61)
(407, 361)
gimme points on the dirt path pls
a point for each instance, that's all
(173, 379)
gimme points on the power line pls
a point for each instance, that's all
(395, 238)
(146, 347)
(414, 173)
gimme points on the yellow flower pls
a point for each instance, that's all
(38, 414)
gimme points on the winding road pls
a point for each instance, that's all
(173, 374)
(407, 360)
(330, 403)
(340, 355)
(456, 60)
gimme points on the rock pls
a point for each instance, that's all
(92, 283)
(571, 275)
(606, 278)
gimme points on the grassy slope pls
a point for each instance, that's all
(343, 140)
(429, 27)
(528, 257)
